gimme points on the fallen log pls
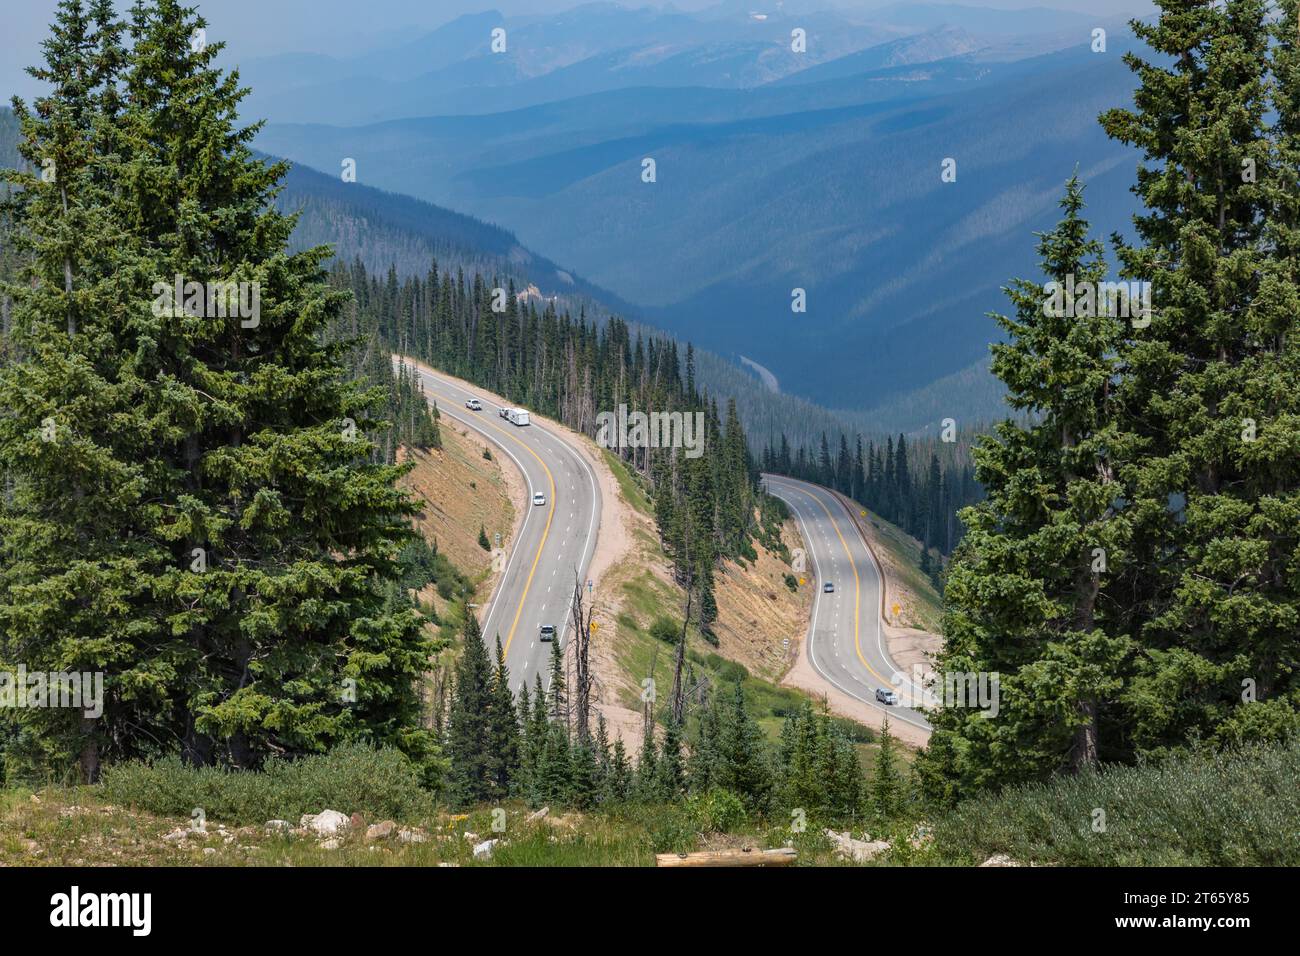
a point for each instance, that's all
(781, 856)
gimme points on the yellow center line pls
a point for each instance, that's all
(857, 591)
(550, 515)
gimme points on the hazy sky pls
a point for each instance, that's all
(340, 27)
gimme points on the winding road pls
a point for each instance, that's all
(556, 540)
(846, 643)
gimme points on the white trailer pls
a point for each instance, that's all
(517, 416)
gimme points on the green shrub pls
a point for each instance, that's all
(729, 672)
(1235, 808)
(718, 811)
(668, 827)
(354, 778)
(666, 629)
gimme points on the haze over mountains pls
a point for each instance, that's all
(775, 170)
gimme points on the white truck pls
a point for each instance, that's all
(517, 416)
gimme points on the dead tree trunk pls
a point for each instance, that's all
(679, 686)
(582, 679)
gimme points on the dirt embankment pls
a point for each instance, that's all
(759, 618)
(460, 491)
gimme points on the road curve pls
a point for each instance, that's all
(846, 645)
(556, 540)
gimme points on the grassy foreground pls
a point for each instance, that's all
(1235, 809)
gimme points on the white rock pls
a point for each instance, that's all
(539, 815)
(411, 836)
(860, 851)
(278, 826)
(483, 851)
(325, 823)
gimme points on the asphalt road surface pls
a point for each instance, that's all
(845, 642)
(556, 541)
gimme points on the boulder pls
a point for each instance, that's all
(1000, 859)
(537, 815)
(411, 836)
(278, 826)
(483, 851)
(380, 831)
(326, 823)
(859, 851)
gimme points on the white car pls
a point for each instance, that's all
(474, 405)
(539, 498)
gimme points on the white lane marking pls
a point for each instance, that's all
(791, 491)
(544, 435)
(433, 382)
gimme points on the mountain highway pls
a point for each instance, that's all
(845, 644)
(556, 540)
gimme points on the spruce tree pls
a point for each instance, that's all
(742, 759)
(619, 784)
(244, 546)
(469, 733)
(1023, 600)
(503, 731)
(671, 774)
(74, 569)
(1213, 384)
(887, 782)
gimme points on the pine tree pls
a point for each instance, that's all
(671, 774)
(585, 777)
(1023, 600)
(1213, 385)
(469, 734)
(742, 761)
(702, 765)
(503, 731)
(246, 544)
(647, 780)
(557, 767)
(74, 575)
(887, 782)
(558, 697)
(619, 785)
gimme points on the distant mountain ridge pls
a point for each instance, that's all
(831, 185)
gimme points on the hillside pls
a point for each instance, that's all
(460, 491)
